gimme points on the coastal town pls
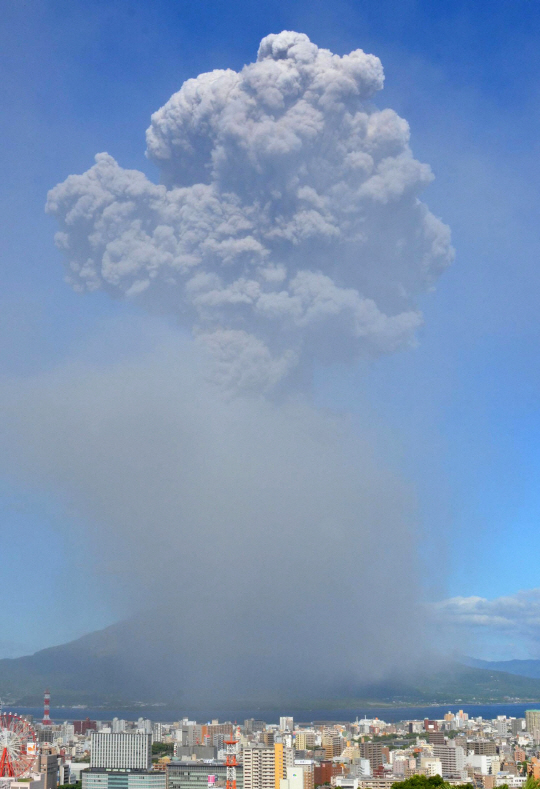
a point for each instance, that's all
(186, 754)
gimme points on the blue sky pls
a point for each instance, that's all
(78, 78)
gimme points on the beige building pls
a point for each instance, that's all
(265, 766)
(332, 742)
(48, 766)
(305, 740)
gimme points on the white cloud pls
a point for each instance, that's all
(287, 220)
(513, 616)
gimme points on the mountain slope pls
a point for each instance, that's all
(144, 660)
(522, 668)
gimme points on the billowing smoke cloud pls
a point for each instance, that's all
(276, 541)
(272, 544)
(287, 227)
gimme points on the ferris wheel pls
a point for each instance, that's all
(18, 746)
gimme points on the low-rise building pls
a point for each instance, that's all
(98, 778)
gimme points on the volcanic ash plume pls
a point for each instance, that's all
(287, 227)
(286, 233)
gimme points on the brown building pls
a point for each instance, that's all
(430, 725)
(81, 727)
(436, 738)
(372, 751)
(308, 767)
(485, 748)
(211, 729)
(325, 771)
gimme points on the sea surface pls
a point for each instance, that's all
(271, 715)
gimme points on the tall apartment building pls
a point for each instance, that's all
(48, 765)
(144, 726)
(517, 725)
(452, 758)
(532, 720)
(372, 751)
(265, 767)
(120, 751)
(286, 723)
(305, 740)
(283, 761)
(259, 767)
(332, 742)
(502, 726)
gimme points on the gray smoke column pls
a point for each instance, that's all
(277, 542)
(287, 227)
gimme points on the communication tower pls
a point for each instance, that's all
(46, 709)
(230, 762)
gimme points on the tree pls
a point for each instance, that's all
(161, 748)
(433, 782)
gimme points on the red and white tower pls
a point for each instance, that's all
(230, 762)
(46, 709)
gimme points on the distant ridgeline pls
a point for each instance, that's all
(93, 670)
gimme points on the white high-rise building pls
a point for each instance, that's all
(452, 758)
(144, 726)
(120, 751)
(430, 766)
(286, 724)
(259, 767)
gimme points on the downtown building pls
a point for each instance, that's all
(99, 778)
(372, 751)
(120, 751)
(121, 761)
(265, 766)
(199, 774)
(452, 759)
(305, 740)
